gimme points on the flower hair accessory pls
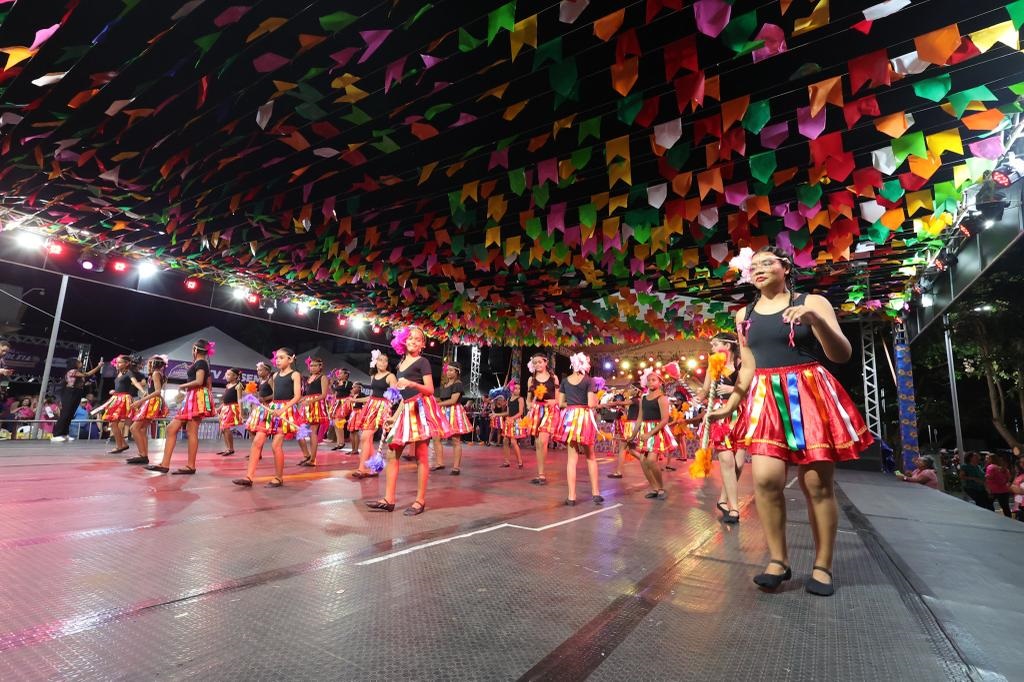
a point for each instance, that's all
(211, 348)
(309, 362)
(580, 363)
(532, 366)
(742, 262)
(643, 376)
(374, 354)
(399, 339)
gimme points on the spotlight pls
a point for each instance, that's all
(433, 343)
(270, 309)
(376, 329)
(55, 248)
(147, 269)
(691, 364)
(29, 240)
(239, 293)
(86, 263)
(643, 364)
(989, 223)
(120, 266)
(607, 365)
(624, 364)
(701, 357)
(927, 300)
(358, 322)
(191, 284)
(302, 308)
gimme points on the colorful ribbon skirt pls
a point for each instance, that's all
(618, 429)
(418, 419)
(801, 414)
(660, 443)
(544, 417)
(315, 411)
(263, 419)
(119, 407)
(579, 426)
(725, 434)
(628, 428)
(374, 412)
(197, 404)
(457, 418)
(230, 415)
(512, 427)
(153, 408)
(343, 408)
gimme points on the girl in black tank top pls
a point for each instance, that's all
(724, 435)
(276, 420)
(230, 411)
(511, 431)
(196, 405)
(652, 439)
(148, 407)
(314, 412)
(119, 406)
(373, 413)
(796, 410)
(579, 424)
(544, 418)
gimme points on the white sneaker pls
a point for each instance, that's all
(70, 438)
(58, 439)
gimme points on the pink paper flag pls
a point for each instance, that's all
(42, 35)
(783, 242)
(589, 247)
(736, 193)
(394, 73)
(373, 40)
(498, 158)
(342, 57)
(774, 42)
(808, 211)
(268, 62)
(774, 135)
(810, 126)
(804, 258)
(547, 170)
(793, 220)
(988, 148)
(712, 16)
(230, 16)
(430, 60)
(464, 118)
(556, 218)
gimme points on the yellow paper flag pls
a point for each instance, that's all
(819, 17)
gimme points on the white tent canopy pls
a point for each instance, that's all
(229, 352)
(333, 362)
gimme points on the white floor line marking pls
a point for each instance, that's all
(790, 484)
(480, 531)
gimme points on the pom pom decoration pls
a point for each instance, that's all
(500, 392)
(741, 263)
(211, 349)
(599, 384)
(303, 432)
(393, 394)
(399, 339)
(643, 377)
(701, 466)
(374, 354)
(251, 398)
(672, 371)
(580, 363)
(251, 387)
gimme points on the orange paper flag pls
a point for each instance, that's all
(938, 46)
(605, 27)
(829, 91)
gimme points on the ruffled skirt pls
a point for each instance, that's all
(230, 415)
(263, 419)
(661, 443)
(371, 416)
(418, 419)
(801, 414)
(457, 418)
(725, 434)
(544, 418)
(343, 409)
(579, 426)
(315, 412)
(153, 408)
(197, 404)
(512, 427)
(119, 407)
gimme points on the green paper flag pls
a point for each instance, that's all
(337, 21)
(960, 100)
(1016, 12)
(550, 51)
(563, 76)
(678, 155)
(763, 165)
(809, 195)
(468, 43)
(933, 89)
(589, 128)
(541, 194)
(630, 106)
(738, 31)
(581, 157)
(912, 143)
(433, 111)
(756, 117)
(416, 17)
(357, 116)
(533, 226)
(878, 233)
(502, 18)
(206, 42)
(588, 215)
(892, 190)
(517, 181)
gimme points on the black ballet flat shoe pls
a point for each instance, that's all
(768, 581)
(436, 467)
(307, 463)
(157, 468)
(137, 460)
(570, 503)
(244, 482)
(183, 471)
(454, 472)
(540, 480)
(597, 499)
(819, 588)
(117, 451)
(670, 467)
(275, 482)
(614, 475)
(723, 507)
(506, 465)
(226, 453)
(651, 495)
(520, 465)
(662, 495)
(381, 505)
(337, 447)
(732, 517)
(415, 509)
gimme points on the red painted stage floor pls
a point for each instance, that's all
(114, 572)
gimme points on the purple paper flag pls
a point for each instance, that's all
(268, 62)
(774, 42)
(230, 16)
(774, 135)
(712, 16)
(988, 148)
(810, 126)
(42, 35)
(373, 40)
(394, 73)
(736, 193)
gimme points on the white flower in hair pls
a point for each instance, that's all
(374, 354)
(643, 377)
(531, 366)
(742, 262)
(580, 363)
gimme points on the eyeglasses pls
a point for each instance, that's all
(765, 264)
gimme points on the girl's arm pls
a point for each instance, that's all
(591, 398)
(824, 325)
(158, 386)
(453, 400)
(746, 373)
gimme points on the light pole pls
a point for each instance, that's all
(49, 352)
(952, 385)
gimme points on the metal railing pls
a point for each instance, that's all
(95, 429)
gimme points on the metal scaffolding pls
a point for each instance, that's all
(474, 372)
(872, 394)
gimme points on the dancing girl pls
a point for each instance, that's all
(196, 405)
(577, 397)
(449, 397)
(230, 411)
(651, 438)
(148, 407)
(375, 410)
(544, 417)
(313, 403)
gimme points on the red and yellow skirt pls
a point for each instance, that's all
(263, 419)
(197, 404)
(659, 444)
(343, 409)
(725, 434)
(495, 422)
(619, 429)
(457, 418)
(801, 414)
(153, 408)
(230, 415)
(315, 411)
(374, 412)
(544, 418)
(418, 419)
(628, 428)
(119, 407)
(579, 426)
(512, 427)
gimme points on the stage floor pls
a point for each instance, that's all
(112, 572)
